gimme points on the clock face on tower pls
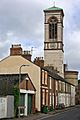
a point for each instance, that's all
(50, 45)
(53, 45)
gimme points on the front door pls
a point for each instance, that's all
(29, 103)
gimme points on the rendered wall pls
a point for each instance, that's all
(6, 107)
(3, 107)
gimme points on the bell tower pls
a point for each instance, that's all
(53, 43)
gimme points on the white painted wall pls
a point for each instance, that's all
(3, 107)
(67, 100)
(72, 95)
(61, 98)
(6, 107)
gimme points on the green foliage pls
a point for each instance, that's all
(16, 99)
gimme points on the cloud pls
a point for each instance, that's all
(22, 21)
(72, 54)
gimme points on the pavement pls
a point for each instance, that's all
(38, 116)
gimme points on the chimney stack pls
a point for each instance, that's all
(27, 55)
(16, 49)
(39, 61)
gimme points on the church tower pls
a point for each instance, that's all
(53, 43)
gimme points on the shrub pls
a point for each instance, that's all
(16, 100)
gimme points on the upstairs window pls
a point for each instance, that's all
(53, 28)
(50, 82)
(46, 77)
(42, 76)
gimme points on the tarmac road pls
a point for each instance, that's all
(71, 114)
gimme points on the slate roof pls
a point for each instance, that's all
(55, 75)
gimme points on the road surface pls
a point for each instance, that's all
(71, 114)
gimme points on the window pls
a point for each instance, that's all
(50, 82)
(46, 97)
(22, 99)
(56, 85)
(45, 77)
(53, 100)
(50, 99)
(22, 103)
(43, 97)
(59, 85)
(64, 86)
(53, 28)
(42, 76)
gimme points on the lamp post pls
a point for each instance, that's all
(19, 86)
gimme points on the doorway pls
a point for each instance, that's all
(29, 103)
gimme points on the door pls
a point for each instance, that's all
(29, 103)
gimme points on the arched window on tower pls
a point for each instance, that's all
(53, 28)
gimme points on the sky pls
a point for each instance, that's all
(22, 22)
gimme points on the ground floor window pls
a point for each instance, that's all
(43, 97)
(22, 103)
(22, 99)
